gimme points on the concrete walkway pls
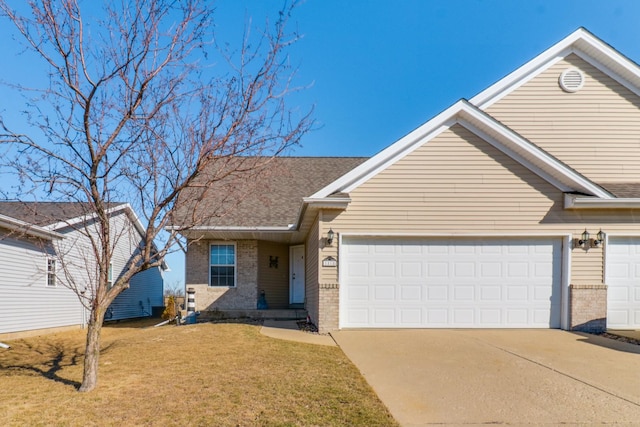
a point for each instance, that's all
(288, 330)
(472, 377)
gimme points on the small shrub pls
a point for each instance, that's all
(170, 310)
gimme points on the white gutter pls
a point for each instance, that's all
(27, 228)
(92, 215)
(328, 202)
(271, 229)
(574, 201)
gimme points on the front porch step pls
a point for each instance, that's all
(276, 314)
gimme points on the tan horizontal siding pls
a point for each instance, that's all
(595, 130)
(427, 193)
(587, 266)
(274, 280)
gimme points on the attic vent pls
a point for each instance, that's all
(571, 80)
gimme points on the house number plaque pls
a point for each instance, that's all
(329, 262)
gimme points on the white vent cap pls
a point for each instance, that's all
(571, 80)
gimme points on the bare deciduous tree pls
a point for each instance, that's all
(140, 100)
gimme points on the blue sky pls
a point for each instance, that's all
(382, 68)
(376, 70)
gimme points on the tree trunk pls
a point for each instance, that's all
(92, 351)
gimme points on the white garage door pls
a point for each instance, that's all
(623, 278)
(459, 283)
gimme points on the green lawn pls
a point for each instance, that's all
(205, 374)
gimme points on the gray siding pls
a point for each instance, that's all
(26, 302)
(144, 293)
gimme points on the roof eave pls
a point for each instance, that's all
(239, 229)
(28, 229)
(578, 201)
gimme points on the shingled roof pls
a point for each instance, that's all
(624, 190)
(45, 213)
(271, 197)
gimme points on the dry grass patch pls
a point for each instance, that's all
(204, 374)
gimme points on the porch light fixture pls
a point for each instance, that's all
(330, 236)
(584, 240)
(599, 239)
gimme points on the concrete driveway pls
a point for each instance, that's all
(498, 376)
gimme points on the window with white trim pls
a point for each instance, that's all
(51, 271)
(222, 264)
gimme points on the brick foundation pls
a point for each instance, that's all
(588, 308)
(328, 308)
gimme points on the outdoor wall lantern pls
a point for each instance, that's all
(330, 236)
(584, 240)
(599, 239)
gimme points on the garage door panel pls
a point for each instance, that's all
(411, 269)
(490, 269)
(451, 283)
(463, 316)
(359, 316)
(463, 293)
(517, 316)
(358, 293)
(411, 293)
(384, 316)
(411, 316)
(437, 269)
(623, 281)
(358, 269)
(491, 316)
(617, 317)
(384, 269)
(518, 270)
(384, 293)
(517, 293)
(437, 317)
(491, 293)
(437, 293)
(542, 293)
(384, 249)
(465, 269)
(542, 269)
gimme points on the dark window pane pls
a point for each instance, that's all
(222, 276)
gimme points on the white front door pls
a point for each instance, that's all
(296, 274)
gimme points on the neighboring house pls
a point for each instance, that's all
(45, 252)
(477, 219)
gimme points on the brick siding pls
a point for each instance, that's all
(244, 296)
(588, 308)
(328, 308)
